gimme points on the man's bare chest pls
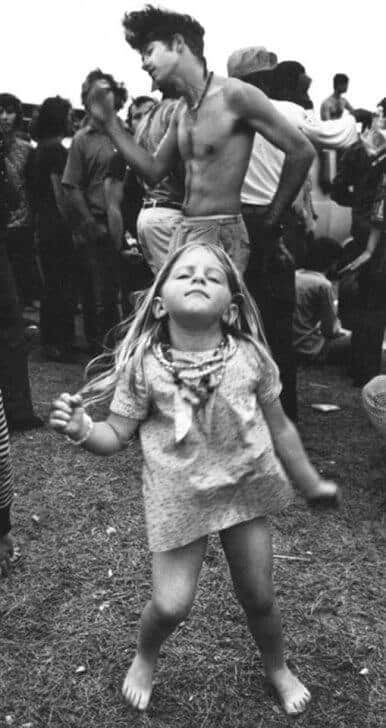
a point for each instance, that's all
(205, 135)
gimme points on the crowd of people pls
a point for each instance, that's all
(202, 201)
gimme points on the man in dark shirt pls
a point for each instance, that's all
(87, 165)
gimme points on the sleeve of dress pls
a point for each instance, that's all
(268, 378)
(131, 401)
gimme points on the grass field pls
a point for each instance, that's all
(69, 611)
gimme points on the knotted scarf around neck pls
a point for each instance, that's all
(196, 383)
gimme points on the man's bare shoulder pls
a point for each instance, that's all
(241, 96)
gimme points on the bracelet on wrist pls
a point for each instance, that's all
(88, 426)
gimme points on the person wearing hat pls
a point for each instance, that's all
(270, 275)
(212, 131)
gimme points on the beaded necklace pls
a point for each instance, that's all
(194, 109)
(197, 381)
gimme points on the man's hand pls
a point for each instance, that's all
(6, 552)
(357, 263)
(100, 102)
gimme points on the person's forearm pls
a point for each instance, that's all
(333, 134)
(102, 440)
(143, 163)
(115, 223)
(291, 452)
(80, 207)
(373, 240)
(294, 172)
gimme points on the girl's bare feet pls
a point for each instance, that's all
(293, 694)
(138, 682)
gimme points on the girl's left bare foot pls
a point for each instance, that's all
(138, 683)
(293, 694)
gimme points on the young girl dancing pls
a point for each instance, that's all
(194, 374)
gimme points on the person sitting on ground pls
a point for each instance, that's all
(318, 336)
(372, 266)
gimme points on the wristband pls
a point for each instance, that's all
(88, 426)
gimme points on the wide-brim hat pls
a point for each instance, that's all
(245, 61)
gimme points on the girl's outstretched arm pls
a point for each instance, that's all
(292, 454)
(68, 417)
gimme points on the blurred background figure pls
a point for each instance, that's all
(334, 106)
(14, 379)
(359, 179)
(53, 217)
(19, 232)
(86, 168)
(317, 332)
(124, 197)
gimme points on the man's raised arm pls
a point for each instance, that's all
(151, 167)
(254, 108)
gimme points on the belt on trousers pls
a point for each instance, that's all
(162, 203)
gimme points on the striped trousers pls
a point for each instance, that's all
(6, 475)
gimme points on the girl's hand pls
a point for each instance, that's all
(325, 494)
(67, 415)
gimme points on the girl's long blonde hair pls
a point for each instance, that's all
(139, 332)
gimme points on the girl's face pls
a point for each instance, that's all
(196, 291)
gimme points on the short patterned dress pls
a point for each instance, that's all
(224, 471)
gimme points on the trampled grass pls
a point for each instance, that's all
(70, 609)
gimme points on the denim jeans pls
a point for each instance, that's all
(227, 231)
(99, 288)
(270, 278)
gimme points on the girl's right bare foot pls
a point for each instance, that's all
(138, 682)
(293, 694)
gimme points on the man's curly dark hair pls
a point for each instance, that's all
(118, 89)
(143, 26)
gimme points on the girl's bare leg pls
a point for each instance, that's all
(248, 549)
(175, 576)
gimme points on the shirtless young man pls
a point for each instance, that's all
(212, 131)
